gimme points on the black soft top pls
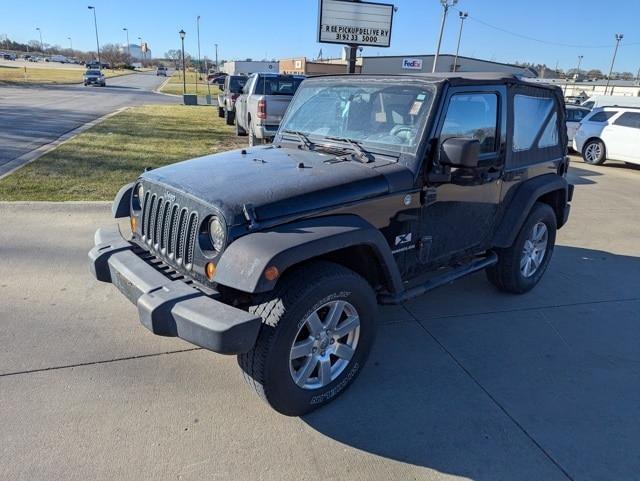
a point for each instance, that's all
(454, 78)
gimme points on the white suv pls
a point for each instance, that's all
(609, 133)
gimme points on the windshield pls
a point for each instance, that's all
(386, 114)
(93, 72)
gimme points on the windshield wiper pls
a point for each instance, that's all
(304, 140)
(359, 153)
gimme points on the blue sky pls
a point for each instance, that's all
(245, 28)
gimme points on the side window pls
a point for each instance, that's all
(629, 119)
(529, 116)
(580, 114)
(472, 116)
(601, 116)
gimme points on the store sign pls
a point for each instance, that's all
(355, 23)
(412, 64)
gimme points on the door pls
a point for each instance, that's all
(623, 137)
(460, 211)
(241, 103)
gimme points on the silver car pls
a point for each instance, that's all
(94, 77)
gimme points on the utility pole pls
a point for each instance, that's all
(445, 9)
(463, 17)
(199, 66)
(184, 68)
(217, 66)
(619, 37)
(95, 24)
(41, 42)
(128, 48)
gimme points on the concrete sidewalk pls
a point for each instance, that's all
(463, 383)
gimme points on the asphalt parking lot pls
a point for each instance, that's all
(463, 383)
(31, 116)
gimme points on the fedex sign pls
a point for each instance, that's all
(412, 64)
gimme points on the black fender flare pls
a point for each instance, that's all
(122, 202)
(243, 263)
(522, 202)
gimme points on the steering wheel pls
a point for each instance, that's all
(400, 128)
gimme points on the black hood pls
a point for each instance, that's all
(278, 182)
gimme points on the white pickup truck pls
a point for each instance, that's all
(264, 100)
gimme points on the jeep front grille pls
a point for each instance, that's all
(168, 229)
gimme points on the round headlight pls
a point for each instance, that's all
(217, 233)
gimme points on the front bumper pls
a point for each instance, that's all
(171, 307)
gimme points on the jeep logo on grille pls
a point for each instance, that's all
(171, 197)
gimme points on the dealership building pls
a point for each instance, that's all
(407, 64)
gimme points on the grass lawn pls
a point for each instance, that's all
(94, 165)
(174, 86)
(16, 75)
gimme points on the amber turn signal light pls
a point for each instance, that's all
(210, 270)
(271, 273)
(134, 224)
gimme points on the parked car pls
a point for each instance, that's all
(609, 133)
(161, 71)
(215, 75)
(229, 93)
(376, 190)
(575, 115)
(264, 100)
(94, 77)
(8, 56)
(611, 101)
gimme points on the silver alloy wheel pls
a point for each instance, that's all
(593, 152)
(534, 250)
(324, 344)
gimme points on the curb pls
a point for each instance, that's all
(157, 91)
(25, 159)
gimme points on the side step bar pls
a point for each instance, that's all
(437, 281)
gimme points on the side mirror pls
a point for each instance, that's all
(222, 87)
(460, 152)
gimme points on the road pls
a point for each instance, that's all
(32, 116)
(463, 383)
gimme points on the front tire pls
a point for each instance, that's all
(318, 327)
(240, 132)
(220, 112)
(594, 152)
(521, 266)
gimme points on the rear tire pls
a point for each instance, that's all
(253, 140)
(302, 360)
(239, 130)
(594, 152)
(521, 266)
(229, 117)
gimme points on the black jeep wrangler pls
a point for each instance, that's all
(375, 190)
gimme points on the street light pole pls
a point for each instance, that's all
(184, 68)
(217, 66)
(445, 9)
(199, 66)
(95, 24)
(41, 42)
(463, 17)
(128, 48)
(619, 37)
